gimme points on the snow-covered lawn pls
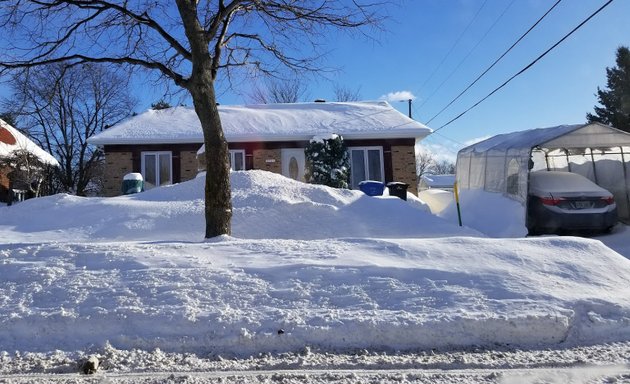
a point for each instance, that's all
(307, 268)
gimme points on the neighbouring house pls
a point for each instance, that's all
(163, 145)
(11, 142)
(444, 182)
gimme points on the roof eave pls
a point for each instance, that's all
(382, 135)
(132, 141)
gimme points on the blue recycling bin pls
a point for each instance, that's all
(372, 187)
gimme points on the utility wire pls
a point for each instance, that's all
(495, 62)
(528, 66)
(454, 44)
(469, 53)
(448, 138)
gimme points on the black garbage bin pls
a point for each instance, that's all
(372, 187)
(398, 189)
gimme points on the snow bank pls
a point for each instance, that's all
(490, 213)
(232, 297)
(308, 267)
(266, 205)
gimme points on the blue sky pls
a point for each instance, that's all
(559, 89)
(410, 55)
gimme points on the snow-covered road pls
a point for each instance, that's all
(593, 364)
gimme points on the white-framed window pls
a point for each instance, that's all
(157, 168)
(366, 163)
(237, 159)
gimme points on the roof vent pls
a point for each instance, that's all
(320, 100)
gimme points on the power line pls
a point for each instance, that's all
(449, 139)
(468, 54)
(527, 66)
(454, 44)
(496, 61)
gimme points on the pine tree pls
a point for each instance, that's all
(327, 162)
(615, 100)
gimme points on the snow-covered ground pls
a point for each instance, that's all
(311, 277)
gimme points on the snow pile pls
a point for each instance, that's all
(490, 213)
(308, 267)
(266, 205)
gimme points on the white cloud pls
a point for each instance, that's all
(398, 96)
(476, 140)
(440, 152)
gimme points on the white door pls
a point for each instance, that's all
(293, 162)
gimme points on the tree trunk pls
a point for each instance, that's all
(218, 197)
(201, 87)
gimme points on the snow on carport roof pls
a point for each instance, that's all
(563, 136)
(521, 139)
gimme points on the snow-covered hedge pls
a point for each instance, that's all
(327, 161)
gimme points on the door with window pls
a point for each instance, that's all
(366, 163)
(237, 160)
(157, 169)
(293, 163)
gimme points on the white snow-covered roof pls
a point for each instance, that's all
(581, 135)
(439, 181)
(12, 140)
(267, 122)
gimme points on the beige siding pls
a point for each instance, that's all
(188, 165)
(404, 166)
(268, 160)
(117, 165)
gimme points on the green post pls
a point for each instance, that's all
(459, 213)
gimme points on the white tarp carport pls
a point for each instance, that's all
(502, 163)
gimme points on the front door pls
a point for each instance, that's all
(293, 162)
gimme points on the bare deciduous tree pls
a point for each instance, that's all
(424, 163)
(443, 167)
(279, 91)
(187, 41)
(343, 93)
(61, 108)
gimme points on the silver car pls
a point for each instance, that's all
(565, 202)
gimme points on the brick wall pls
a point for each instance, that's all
(188, 165)
(268, 160)
(404, 166)
(117, 165)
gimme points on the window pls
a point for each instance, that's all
(366, 163)
(157, 169)
(237, 160)
(512, 177)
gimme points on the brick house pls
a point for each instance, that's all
(163, 145)
(12, 140)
